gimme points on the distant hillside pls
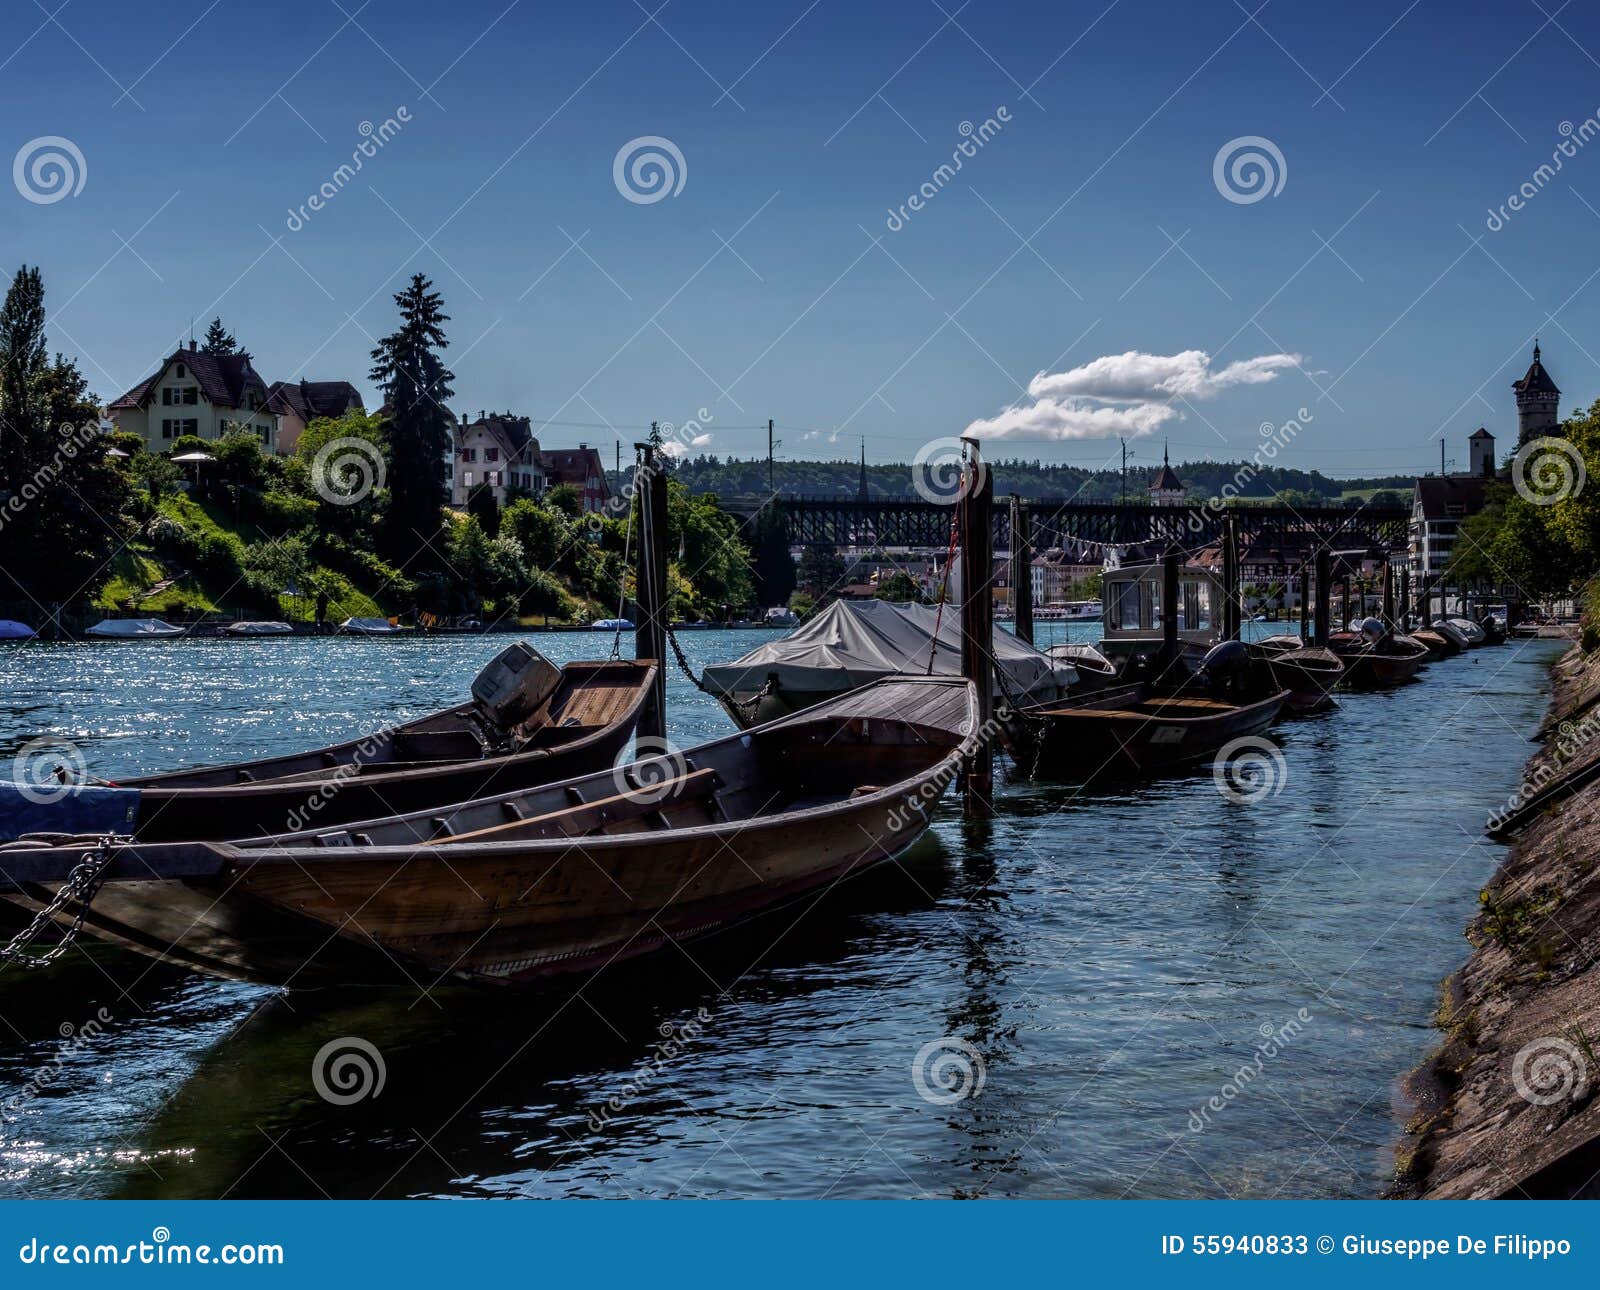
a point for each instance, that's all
(731, 477)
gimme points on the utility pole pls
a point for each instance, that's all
(1441, 457)
(1123, 498)
(771, 488)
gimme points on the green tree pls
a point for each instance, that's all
(565, 498)
(899, 586)
(822, 572)
(22, 366)
(219, 340)
(481, 505)
(407, 365)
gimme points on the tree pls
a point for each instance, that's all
(822, 572)
(774, 567)
(416, 385)
(566, 499)
(219, 340)
(22, 365)
(900, 587)
(156, 473)
(481, 505)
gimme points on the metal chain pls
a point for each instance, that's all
(1039, 725)
(82, 883)
(745, 706)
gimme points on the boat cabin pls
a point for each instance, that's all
(1133, 615)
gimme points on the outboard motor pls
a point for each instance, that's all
(1228, 671)
(1373, 631)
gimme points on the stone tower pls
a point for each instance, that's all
(1537, 402)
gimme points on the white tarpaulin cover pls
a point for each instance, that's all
(133, 628)
(854, 642)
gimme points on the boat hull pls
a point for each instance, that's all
(1131, 731)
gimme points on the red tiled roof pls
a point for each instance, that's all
(309, 399)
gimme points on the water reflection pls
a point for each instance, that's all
(1110, 955)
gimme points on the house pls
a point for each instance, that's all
(582, 468)
(298, 403)
(497, 450)
(195, 393)
(1439, 505)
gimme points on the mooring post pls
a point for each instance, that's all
(1305, 603)
(977, 621)
(1230, 578)
(1388, 593)
(1425, 601)
(1021, 569)
(1171, 564)
(1324, 573)
(650, 589)
(1405, 597)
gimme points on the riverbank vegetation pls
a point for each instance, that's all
(356, 522)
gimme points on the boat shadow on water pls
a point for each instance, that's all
(394, 1092)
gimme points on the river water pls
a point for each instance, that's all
(1092, 969)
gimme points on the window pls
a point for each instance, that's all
(180, 371)
(469, 454)
(190, 425)
(466, 479)
(166, 395)
(167, 431)
(191, 395)
(491, 454)
(492, 477)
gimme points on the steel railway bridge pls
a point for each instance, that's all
(1077, 526)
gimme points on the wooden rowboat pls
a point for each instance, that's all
(1438, 644)
(565, 878)
(1134, 729)
(1308, 672)
(1378, 664)
(529, 723)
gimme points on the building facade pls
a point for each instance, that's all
(195, 393)
(497, 451)
(298, 403)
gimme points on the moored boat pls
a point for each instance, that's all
(1377, 659)
(1148, 726)
(1437, 643)
(11, 630)
(528, 723)
(258, 628)
(1094, 670)
(1308, 673)
(369, 627)
(133, 629)
(1470, 632)
(565, 878)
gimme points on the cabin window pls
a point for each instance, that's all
(1152, 603)
(1127, 607)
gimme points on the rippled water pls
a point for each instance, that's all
(1106, 961)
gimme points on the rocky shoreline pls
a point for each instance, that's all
(1508, 1107)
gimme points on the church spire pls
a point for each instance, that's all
(863, 483)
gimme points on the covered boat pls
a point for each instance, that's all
(12, 630)
(560, 879)
(1094, 670)
(853, 643)
(368, 627)
(133, 629)
(247, 628)
(528, 723)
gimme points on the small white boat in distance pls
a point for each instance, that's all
(612, 624)
(248, 628)
(368, 627)
(12, 630)
(133, 629)
(778, 616)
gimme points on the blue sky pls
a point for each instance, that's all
(770, 285)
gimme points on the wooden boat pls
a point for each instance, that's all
(1133, 730)
(1308, 673)
(1470, 632)
(565, 878)
(528, 723)
(1438, 644)
(1376, 660)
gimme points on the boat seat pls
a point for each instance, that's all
(588, 817)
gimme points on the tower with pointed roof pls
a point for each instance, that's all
(1166, 489)
(1538, 401)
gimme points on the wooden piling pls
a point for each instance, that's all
(1021, 569)
(650, 587)
(1171, 565)
(1344, 619)
(1230, 578)
(1388, 593)
(1305, 602)
(1324, 575)
(977, 621)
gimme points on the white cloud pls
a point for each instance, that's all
(1129, 394)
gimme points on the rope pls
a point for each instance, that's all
(622, 584)
(81, 885)
(944, 588)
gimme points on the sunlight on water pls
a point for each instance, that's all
(1096, 965)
